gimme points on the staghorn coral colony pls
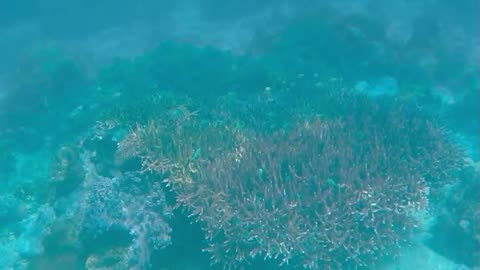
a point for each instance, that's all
(244, 163)
(328, 192)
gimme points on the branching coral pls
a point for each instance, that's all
(329, 194)
(171, 146)
(333, 191)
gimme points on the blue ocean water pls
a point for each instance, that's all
(210, 134)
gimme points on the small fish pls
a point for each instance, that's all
(196, 154)
(331, 182)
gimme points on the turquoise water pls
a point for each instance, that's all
(229, 135)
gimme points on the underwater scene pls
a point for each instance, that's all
(253, 135)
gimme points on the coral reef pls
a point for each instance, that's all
(264, 161)
(333, 192)
(124, 205)
(458, 222)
